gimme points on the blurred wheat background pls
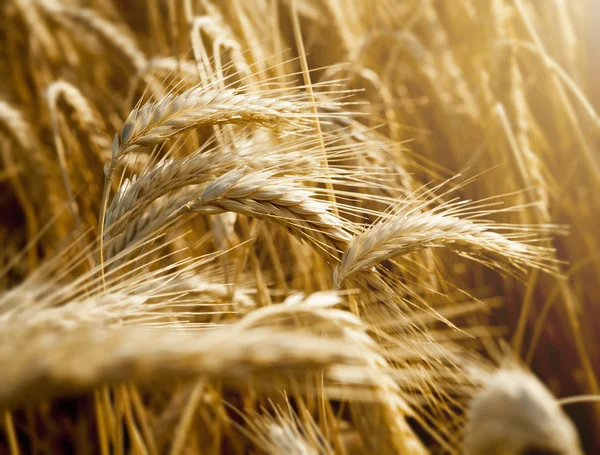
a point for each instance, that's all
(299, 226)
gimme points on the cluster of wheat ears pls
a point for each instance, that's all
(298, 227)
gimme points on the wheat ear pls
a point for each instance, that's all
(317, 312)
(411, 230)
(154, 123)
(515, 413)
(285, 203)
(88, 356)
(286, 432)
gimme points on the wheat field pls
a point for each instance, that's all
(299, 227)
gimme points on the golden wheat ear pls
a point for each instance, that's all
(515, 413)
(454, 225)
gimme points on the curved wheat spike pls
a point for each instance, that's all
(408, 230)
(222, 36)
(137, 193)
(146, 202)
(203, 66)
(154, 123)
(87, 117)
(282, 202)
